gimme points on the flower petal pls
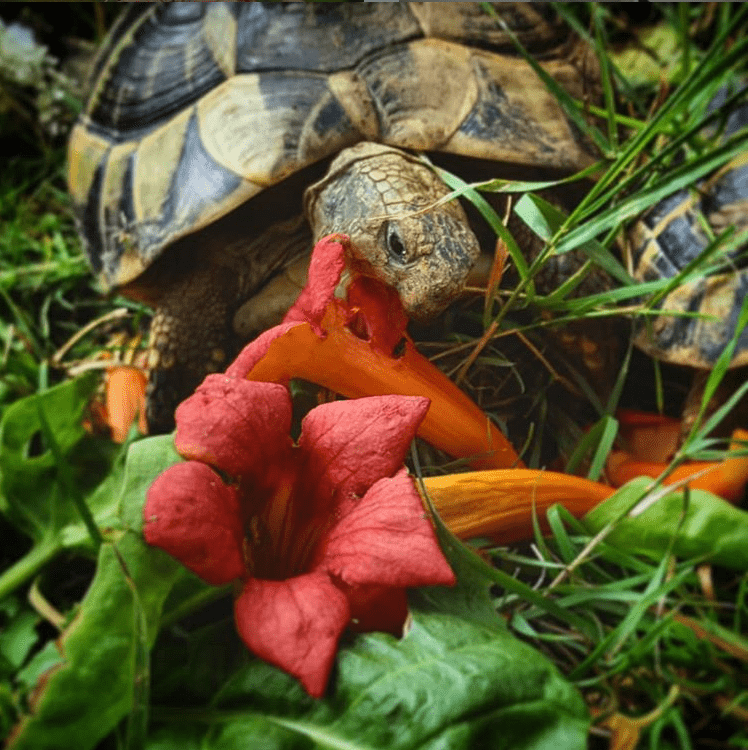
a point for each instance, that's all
(238, 426)
(386, 538)
(255, 350)
(375, 311)
(325, 270)
(349, 445)
(191, 514)
(294, 624)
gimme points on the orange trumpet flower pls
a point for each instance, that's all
(652, 439)
(499, 504)
(359, 347)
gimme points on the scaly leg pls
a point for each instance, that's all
(191, 337)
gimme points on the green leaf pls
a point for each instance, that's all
(707, 527)
(41, 662)
(18, 633)
(85, 696)
(40, 483)
(449, 683)
(471, 598)
(177, 738)
(103, 670)
(28, 465)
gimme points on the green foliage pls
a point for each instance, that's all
(452, 655)
(696, 526)
(447, 683)
(102, 664)
(53, 476)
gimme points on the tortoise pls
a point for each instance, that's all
(207, 121)
(222, 139)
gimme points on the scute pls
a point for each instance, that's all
(698, 341)
(322, 38)
(471, 24)
(162, 65)
(670, 237)
(515, 119)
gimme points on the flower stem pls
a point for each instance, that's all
(33, 561)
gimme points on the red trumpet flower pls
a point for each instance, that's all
(318, 535)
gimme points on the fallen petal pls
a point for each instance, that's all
(726, 478)
(125, 401)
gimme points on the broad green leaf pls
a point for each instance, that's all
(707, 527)
(42, 661)
(449, 683)
(176, 737)
(84, 697)
(104, 651)
(18, 632)
(40, 483)
(29, 486)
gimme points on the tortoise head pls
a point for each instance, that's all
(383, 199)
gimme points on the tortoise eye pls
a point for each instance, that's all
(395, 245)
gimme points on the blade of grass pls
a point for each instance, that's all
(715, 378)
(636, 204)
(599, 439)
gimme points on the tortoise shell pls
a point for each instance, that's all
(669, 239)
(197, 108)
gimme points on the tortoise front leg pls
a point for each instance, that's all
(191, 337)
